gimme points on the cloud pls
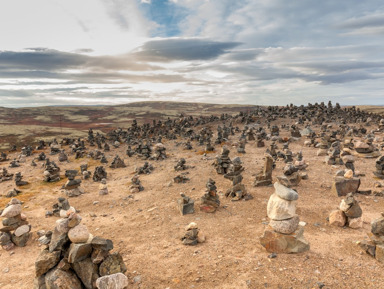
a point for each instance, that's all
(183, 49)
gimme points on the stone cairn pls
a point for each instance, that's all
(5, 175)
(84, 172)
(264, 177)
(74, 259)
(210, 200)
(103, 159)
(63, 156)
(99, 174)
(193, 235)
(241, 146)
(103, 188)
(238, 191)
(62, 208)
(18, 180)
(3, 157)
(349, 214)
(291, 177)
(185, 204)
(375, 246)
(366, 149)
(284, 233)
(159, 152)
(15, 229)
(345, 183)
(181, 178)
(180, 165)
(72, 186)
(381, 124)
(12, 193)
(379, 173)
(147, 168)
(52, 171)
(222, 161)
(136, 186)
(117, 163)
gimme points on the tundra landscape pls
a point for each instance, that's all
(328, 157)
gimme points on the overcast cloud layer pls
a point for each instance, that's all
(60, 52)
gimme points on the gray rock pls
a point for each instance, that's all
(285, 226)
(59, 279)
(58, 240)
(87, 272)
(46, 261)
(112, 264)
(114, 281)
(280, 209)
(285, 193)
(79, 252)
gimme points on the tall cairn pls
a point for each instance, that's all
(283, 234)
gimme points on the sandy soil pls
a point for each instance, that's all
(147, 228)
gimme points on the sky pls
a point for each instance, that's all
(263, 52)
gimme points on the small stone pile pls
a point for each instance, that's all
(238, 191)
(3, 157)
(159, 152)
(18, 180)
(185, 204)
(63, 156)
(379, 168)
(210, 200)
(180, 165)
(345, 183)
(193, 235)
(72, 186)
(117, 163)
(103, 188)
(366, 149)
(74, 259)
(349, 214)
(222, 161)
(16, 222)
(241, 146)
(5, 176)
(136, 186)
(62, 208)
(84, 172)
(375, 246)
(381, 124)
(181, 178)
(264, 178)
(291, 177)
(14, 164)
(284, 233)
(99, 174)
(147, 168)
(52, 171)
(144, 151)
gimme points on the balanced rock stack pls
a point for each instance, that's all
(222, 161)
(99, 174)
(291, 177)
(136, 186)
(349, 213)
(72, 186)
(159, 152)
(117, 163)
(379, 167)
(284, 234)
(74, 259)
(14, 221)
(345, 184)
(375, 246)
(62, 208)
(210, 200)
(238, 191)
(193, 235)
(52, 171)
(264, 178)
(365, 150)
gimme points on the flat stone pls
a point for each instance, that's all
(59, 279)
(79, 252)
(275, 242)
(113, 281)
(368, 247)
(285, 226)
(337, 218)
(78, 234)
(342, 186)
(354, 211)
(11, 211)
(102, 244)
(280, 209)
(285, 193)
(22, 230)
(46, 261)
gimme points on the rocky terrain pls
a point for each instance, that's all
(146, 225)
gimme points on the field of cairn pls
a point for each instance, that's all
(146, 227)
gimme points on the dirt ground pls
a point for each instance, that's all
(146, 228)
